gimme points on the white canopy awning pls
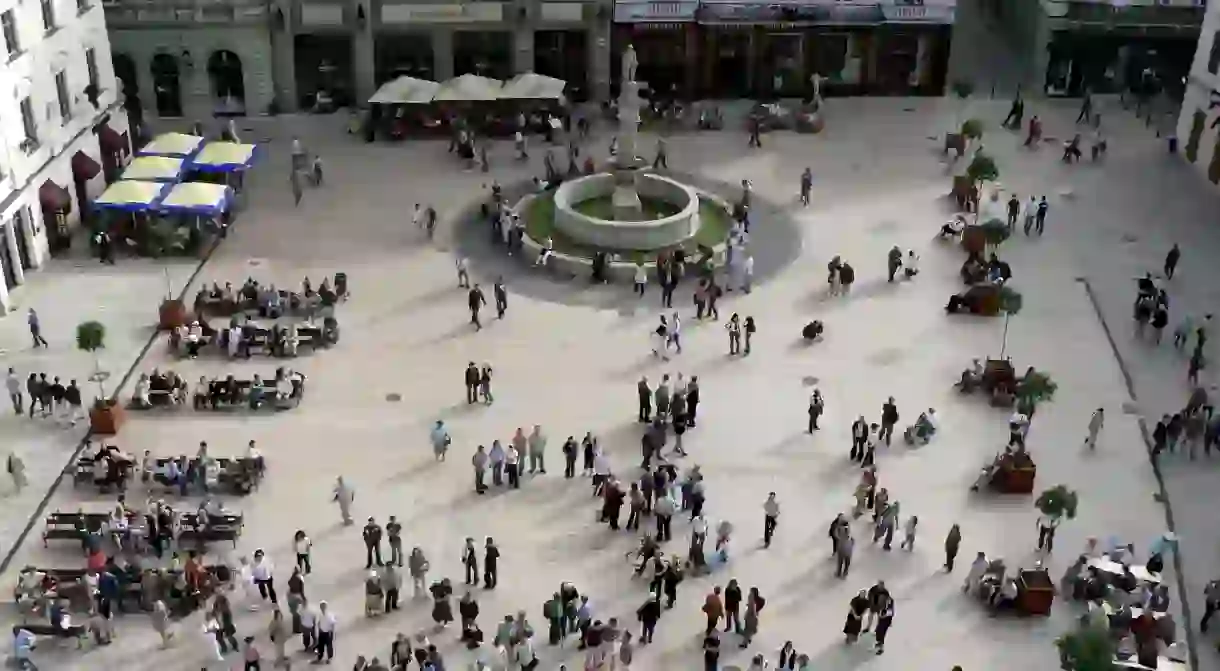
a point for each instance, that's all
(406, 91)
(470, 88)
(533, 86)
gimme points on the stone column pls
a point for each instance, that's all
(442, 54)
(283, 55)
(598, 51)
(523, 48)
(363, 67)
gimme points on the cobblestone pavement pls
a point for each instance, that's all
(571, 366)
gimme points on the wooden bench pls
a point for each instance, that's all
(77, 632)
(72, 526)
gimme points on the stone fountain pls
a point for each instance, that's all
(626, 197)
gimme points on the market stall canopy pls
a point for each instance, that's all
(153, 169)
(131, 196)
(471, 88)
(172, 144)
(199, 198)
(224, 157)
(406, 91)
(533, 86)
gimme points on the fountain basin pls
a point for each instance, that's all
(646, 234)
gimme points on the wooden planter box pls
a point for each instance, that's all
(990, 305)
(954, 142)
(974, 241)
(1017, 480)
(171, 315)
(1035, 592)
(106, 420)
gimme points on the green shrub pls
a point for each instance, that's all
(962, 88)
(90, 336)
(972, 129)
(1058, 501)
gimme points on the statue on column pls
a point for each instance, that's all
(630, 63)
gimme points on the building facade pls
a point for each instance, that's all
(1104, 46)
(1198, 134)
(62, 129)
(196, 58)
(765, 48)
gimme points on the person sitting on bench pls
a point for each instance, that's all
(140, 396)
(256, 393)
(193, 339)
(548, 247)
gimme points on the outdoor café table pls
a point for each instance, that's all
(1142, 574)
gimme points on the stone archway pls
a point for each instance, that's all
(167, 85)
(129, 85)
(228, 83)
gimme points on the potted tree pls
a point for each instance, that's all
(1057, 502)
(105, 415)
(961, 89)
(1087, 648)
(172, 312)
(966, 189)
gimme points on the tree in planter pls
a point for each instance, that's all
(1010, 304)
(1087, 648)
(1057, 502)
(972, 129)
(1037, 387)
(962, 88)
(91, 337)
(982, 169)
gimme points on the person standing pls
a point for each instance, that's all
(393, 530)
(569, 457)
(512, 466)
(344, 495)
(713, 608)
(36, 329)
(749, 329)
(648, 614)
(470, 561)
(463, 275)
(475, 300)
(537, 450)
(859, 436)
(641, 279)
(816, 407)
(1211, 596)
(372, 543)
(692, 400)
(501, 296)
(662, 157)
(893, 263)
(417, 565)
(327, 623)
(675, 333)
(843, 551)
(754, 605)
(806, 186)
(661, 398)
(770, 518)
(645, 401)
(279, 633)
(1095, 424)
(1046, 532)
(491, 558)
(294, 180)
(734, 328)
(1171, 261)
(439, 437)
(479, 462)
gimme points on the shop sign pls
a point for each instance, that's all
(657, 11)
(827, 11)
(919, 11)
(457, 12)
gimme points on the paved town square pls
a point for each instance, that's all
(567, 355)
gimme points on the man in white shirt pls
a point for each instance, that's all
(747, 273)
(462, 274)
(263, 572)
(1029, 212)
(1018, 425)
(675, 333)
(1046, 532)
(326, 632)
(511, 467)
(13, 383)
(910, 267)
(417, 217)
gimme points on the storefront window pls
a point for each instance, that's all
(403, 54)
(324, 70)
(731, 64)
(782, 65)
(828, 55)
(486, 53)
(563, 54)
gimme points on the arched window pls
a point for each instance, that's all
(228, 82)
(166, 85)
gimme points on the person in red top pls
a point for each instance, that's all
(96, 561)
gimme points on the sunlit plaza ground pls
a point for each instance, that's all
(567, 356)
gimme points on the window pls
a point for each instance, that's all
(91, 66)
(48, 14)
(61, 92)
(1213, 59)
(27, 122)
(9, 22)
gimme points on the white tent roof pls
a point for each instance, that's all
(470, 88)
(406, 91)
(530, 85)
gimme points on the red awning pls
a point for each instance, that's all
(84, 168)
(54, 198)
(110, 140)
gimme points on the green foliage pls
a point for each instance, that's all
(90, 336)
(1088, 648)
(982, 169)
(1058, 501)
(995, 231)
(1037, 387)
(962, 88)
(972, 129)
(1010, 300)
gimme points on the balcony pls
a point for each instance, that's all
(149, 13)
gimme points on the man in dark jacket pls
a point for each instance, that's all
(372, 542)
(472, 383)
(645, 394)
(475, 301)
(648, 615)
(889, 418)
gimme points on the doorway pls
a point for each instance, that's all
(166, 85)
(6, 258)
(22, 233)
(228, 83)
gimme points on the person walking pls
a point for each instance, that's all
(279, 634)
(536, 444)
(1046, 532)
(440, 439)
(885, 618)
(1040, 215)
(641, 279)
(843, 551)
(470, 561)
(953, 541)
(344, 495)
(36, 329)
(479, 463)
(749, 329)
(754, 605)
(1095, 424)
(463, 275)
(417, 566)
(1171, 261)
(491, 563)
(816, 407)
(501, 297)
(806, 186)
(889, 419)
(13, 384)
(475, 300)
(713, 608)
(471, 378)
(327, 624)
(1086, 108)
(770, 518)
